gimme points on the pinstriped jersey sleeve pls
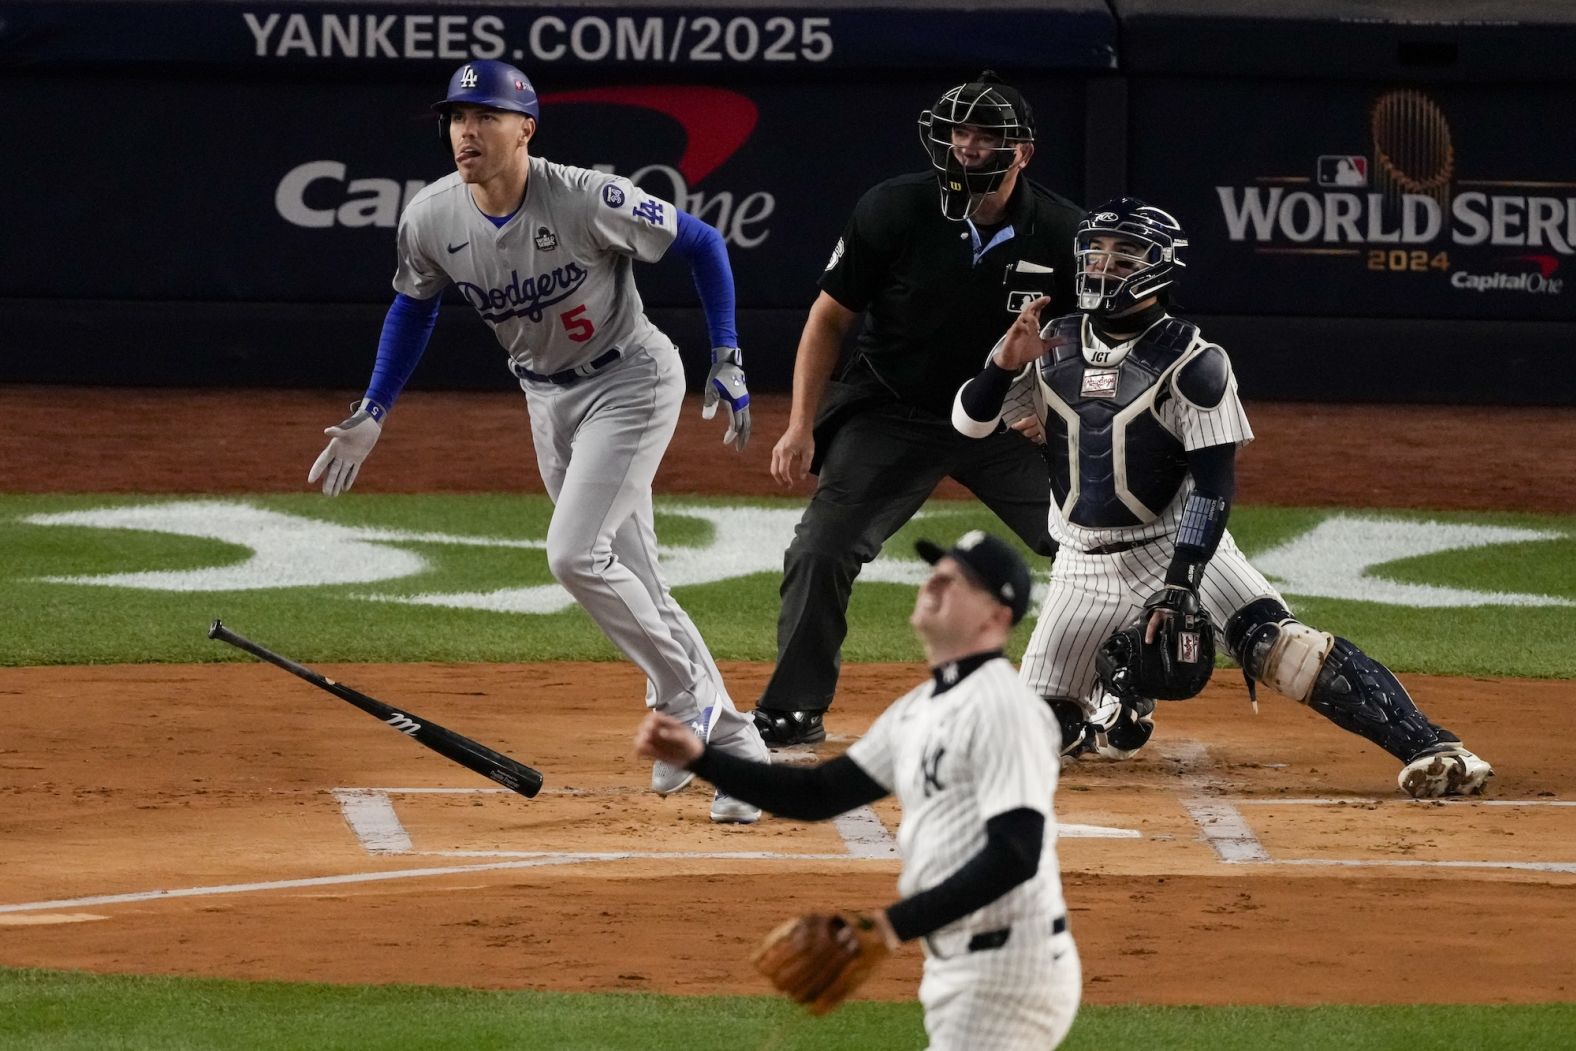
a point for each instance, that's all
(624, 218)
(1200, 426)
(876, 750)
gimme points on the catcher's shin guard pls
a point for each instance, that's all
(1332, 676)
(1070, 718)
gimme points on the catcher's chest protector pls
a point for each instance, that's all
(1113, 463)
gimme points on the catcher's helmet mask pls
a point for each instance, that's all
(486, 82)
(1175, 665)
(1155, 257)
(995, 109)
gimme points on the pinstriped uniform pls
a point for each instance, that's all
(955, 760)
(1092, 595)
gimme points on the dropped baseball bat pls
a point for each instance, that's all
(511, 773)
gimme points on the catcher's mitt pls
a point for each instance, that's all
(820, 958)
(1175, 665)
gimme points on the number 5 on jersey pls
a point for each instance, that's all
(577, 324)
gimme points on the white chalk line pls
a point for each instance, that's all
(538, 861)
(1234, 842)
(371, 815)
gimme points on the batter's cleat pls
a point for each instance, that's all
(784, 728)
(667, 778)
(726, 810)
(1450, 770)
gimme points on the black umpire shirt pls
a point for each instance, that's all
(934, 301)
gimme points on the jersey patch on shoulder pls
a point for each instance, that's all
(837, 254)
(612, 196)
(649, 210)
(1202, 381)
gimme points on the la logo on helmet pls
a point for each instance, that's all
(468, 78)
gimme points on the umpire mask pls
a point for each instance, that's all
(1000, 115)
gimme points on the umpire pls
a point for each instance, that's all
(935, 287)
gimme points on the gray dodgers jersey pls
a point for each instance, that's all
(556, 281)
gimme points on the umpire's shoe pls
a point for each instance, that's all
(784, 728)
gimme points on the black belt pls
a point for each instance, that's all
(569, 377)
(1119, 547)
(997, 938)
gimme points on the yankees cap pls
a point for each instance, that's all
(992, 564)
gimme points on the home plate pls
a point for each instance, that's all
(38, 919)
(1096, 832)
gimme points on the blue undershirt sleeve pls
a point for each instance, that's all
(406, 330)
(700, 245)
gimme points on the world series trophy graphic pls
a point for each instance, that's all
(1413, 153)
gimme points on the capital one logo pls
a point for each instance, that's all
(716, 123)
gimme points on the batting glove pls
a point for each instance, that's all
(725, 384)
(351, 441)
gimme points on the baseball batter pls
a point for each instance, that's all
(545, 254)
(965, 753)
(1142, 420)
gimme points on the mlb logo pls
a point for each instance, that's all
(1187, 647)
(1016, 301)
(1343, 169)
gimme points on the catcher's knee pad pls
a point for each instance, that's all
(1331, 675)
(1276, 649)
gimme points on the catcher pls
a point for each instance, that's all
(1142, 422)
(965, 753)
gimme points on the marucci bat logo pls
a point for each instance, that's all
(404, 724)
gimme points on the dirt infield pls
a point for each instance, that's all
(230, 821)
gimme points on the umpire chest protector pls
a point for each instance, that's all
(1113, 462)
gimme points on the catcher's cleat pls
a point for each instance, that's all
(1120, 726)
(726, 810)
(783, 728)
(1450, 770)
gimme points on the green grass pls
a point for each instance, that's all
(65, 623)
(61, 1011)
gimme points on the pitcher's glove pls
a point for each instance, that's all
(820, 958)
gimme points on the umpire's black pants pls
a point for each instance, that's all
(880, 467)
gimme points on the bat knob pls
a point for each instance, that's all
(214, 628)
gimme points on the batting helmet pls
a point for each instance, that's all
(1145, 260)
(487, 82)
(1175, 665)
(991, 106)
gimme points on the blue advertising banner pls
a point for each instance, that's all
(629, 38)
(1365, 201)
(289, 191)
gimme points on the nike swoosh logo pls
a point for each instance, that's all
(456, 248)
